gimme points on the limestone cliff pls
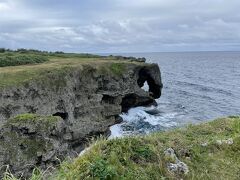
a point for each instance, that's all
(88, 97)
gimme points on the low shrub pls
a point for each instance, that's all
(17, 60)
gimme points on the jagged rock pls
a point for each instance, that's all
(228, 141)
(175, 165)
(130, 58)
(170, 153)
(88, 98)
(178, 168)
(28, 141)
(153, 111)
(204, 144)
(219, 142)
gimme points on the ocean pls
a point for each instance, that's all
(198, 87)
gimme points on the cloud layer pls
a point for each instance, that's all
(120, 25)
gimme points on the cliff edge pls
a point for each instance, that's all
(86, 94)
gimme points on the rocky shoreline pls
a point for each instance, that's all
(45, 120)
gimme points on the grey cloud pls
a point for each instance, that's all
(120, 25)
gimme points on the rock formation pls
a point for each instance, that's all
(29, 141)
(88, 98)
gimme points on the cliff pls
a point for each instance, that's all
(86, 94)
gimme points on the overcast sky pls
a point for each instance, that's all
(120, 25)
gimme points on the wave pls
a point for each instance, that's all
(143, 120)
(197, 87)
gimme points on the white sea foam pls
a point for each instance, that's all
(116, 131)
(139, 121)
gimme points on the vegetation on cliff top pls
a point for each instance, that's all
(17, 59)
(22, 51)
(26, 57)
(22, 66)
(210, 151)
(117, 68)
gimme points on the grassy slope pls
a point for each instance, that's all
(143, 157)
(18, 75)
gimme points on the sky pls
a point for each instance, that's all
(108, 26)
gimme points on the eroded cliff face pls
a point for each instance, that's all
(88, 98)
(28, 141)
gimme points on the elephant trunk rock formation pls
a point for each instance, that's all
(51, 118)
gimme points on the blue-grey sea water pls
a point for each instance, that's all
(198, 87)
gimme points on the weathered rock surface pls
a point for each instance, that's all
(29, 141)
(175, 165)
(88, 98)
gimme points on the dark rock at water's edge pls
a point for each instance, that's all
(153, 111)
(74, 106)
(129, 58)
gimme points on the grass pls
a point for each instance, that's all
(22, 66)
(18, 59)
(33, 118)
(41, 123)
(20, 75)
(36, 175)
(118, 68)
(57, 67)
(28, 52)
(142, 157)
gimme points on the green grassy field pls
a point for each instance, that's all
(26, 66)
(17, 60)
(210, 150)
